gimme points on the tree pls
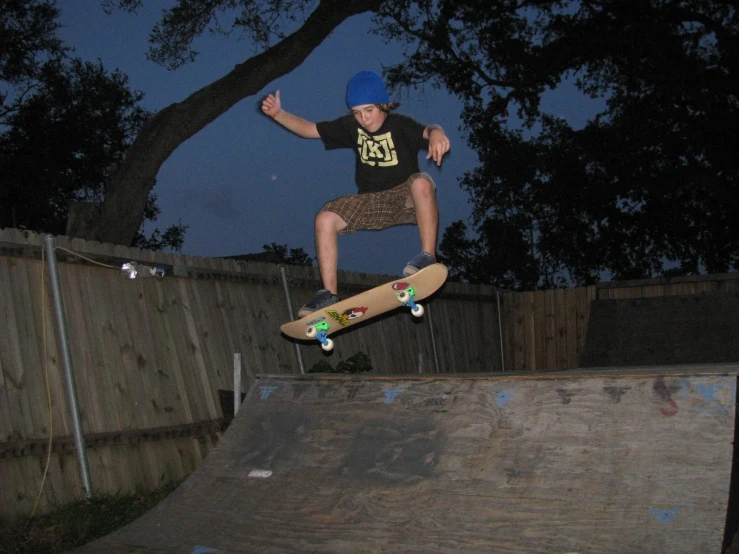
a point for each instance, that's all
(646, 188)
(127, 189)
(296, 256)
(65, 124)
(501, 249)
(27, 37)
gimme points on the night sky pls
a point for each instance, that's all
(244, 181)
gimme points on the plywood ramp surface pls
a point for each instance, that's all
(592, 463)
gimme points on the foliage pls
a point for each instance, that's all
(66, 124)
(297, 256)
(646, 188)
(72, 525)
(173, 237)
(321, 366)
(61, 139)
(356, 363)
(28, 30)
(501, 249)
(262, 22)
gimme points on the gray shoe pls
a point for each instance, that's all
(424, 259)
(322, 299)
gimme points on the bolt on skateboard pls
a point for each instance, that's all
(368, 304)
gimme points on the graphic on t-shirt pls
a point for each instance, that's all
(379, 150)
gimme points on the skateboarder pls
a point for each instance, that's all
(392, 189)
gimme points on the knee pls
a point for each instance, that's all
(422, 187)
(328, 222)
(423, 192)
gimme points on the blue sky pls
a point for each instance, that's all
(243, 181)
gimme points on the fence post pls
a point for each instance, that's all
(237, 382)
(63, 340)
(500, 331)
(298, 353)
(433, 338)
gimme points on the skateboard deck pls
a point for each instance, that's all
(368, 304)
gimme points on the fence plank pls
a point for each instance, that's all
(516, 321)
(550, 329)
(561, 314)
(530, 330)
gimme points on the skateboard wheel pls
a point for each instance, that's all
(417, 311)
(311, 332)
(403, 296)
(328, 345)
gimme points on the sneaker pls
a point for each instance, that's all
(424, 259)
(322, 299)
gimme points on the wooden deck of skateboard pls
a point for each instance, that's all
(369, 304)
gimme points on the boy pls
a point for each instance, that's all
(392, 190)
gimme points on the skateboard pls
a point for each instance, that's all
(368, 304)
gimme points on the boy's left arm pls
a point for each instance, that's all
(438, 142)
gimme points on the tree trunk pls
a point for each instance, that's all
(126, 193)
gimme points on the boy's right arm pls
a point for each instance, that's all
(272, 106)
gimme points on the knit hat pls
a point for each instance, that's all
(366, 87)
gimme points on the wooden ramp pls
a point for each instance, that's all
(555, 463)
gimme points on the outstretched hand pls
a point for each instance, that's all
(438, 145)
(272, 104)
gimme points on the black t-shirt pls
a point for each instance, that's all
(385, 158)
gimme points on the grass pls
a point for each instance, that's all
(72, 525)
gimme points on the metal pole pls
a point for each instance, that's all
(237, 382)
(298, 352)
(63, 340)
(433, 338)
(500, 331)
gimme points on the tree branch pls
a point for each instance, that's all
(122, 210)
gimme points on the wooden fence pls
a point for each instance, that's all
(546, 329)
(150, 356)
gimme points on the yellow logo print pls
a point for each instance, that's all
(379, 150)
(339, 318)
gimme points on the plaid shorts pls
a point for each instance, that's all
(377, 210)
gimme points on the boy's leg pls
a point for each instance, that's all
(327, 227)
(423, 195)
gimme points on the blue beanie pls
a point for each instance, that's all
(366, 87)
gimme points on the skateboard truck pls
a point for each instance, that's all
(406, 298)
(320, 331)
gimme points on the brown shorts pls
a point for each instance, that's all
(377, 210)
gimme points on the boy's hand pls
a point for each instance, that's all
(272, 105)
(438, 145)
